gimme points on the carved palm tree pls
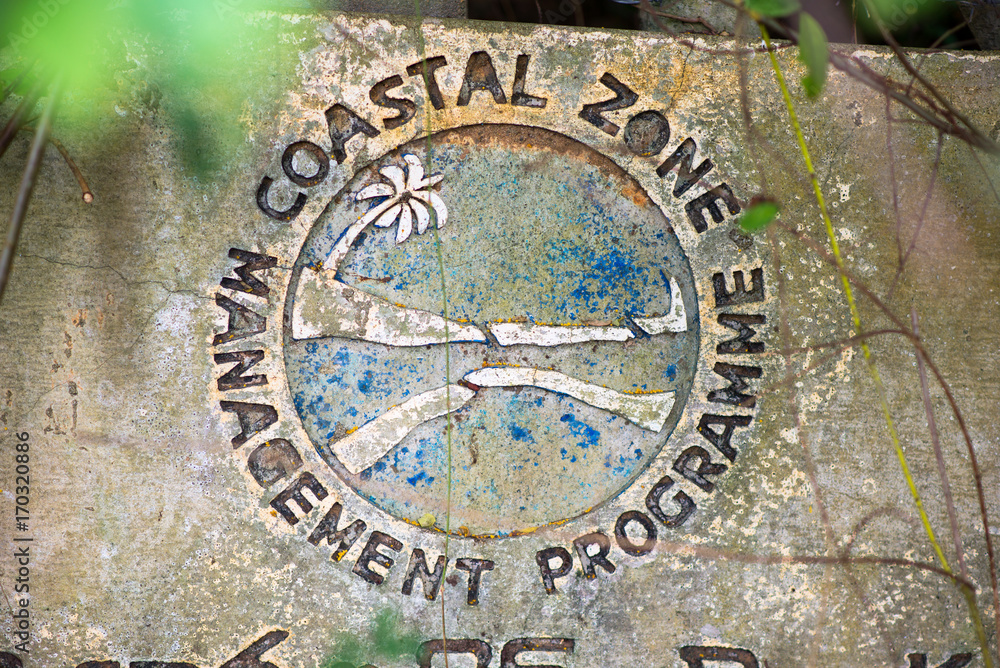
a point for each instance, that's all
(327, 307)
(409, 197)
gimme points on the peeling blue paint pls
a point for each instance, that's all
(589, 436)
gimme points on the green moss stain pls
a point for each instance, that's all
(387, 640)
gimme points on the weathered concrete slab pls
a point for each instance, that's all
(215, 380)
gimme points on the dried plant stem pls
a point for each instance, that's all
(35, 155)
(952, 402)
(810, 463)
(852, 304)
(959, 418)
(20, 115)
(866, 349)
(422, 48)
(86, 193)
(938, 454)
(9, 90)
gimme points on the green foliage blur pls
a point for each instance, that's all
(193, 60)
(814, 51)
(758, 217)
(773, 8)
(913, 23)
(387, 640)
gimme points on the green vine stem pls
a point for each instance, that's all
(969, 594)
(422, 47)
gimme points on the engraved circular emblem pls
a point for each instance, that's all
(567, 305)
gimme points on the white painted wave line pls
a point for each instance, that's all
(648, 411)
(674, 321)
(326, 307)
(526, 333)
(362, 448)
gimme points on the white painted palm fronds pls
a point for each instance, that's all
(410, 204)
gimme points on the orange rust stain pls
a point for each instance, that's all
(635, 193)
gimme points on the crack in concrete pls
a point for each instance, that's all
(122, 276)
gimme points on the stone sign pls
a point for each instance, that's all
(469, 364)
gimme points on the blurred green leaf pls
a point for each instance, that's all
(773, 8)
(758, 216)
(195, 65)
(14, 76)
(914, 22)
(814, 51)
(387, 640)
(391, 641)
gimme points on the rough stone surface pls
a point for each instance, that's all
(156, 512)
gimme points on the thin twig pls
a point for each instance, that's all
(15, 83)
(810, 464)
(843, 345)
(87, 195)
(683, 19)
(938, 454)
(703, 552)
(986, 175)
(866, 351)
(856, 584)
(422, 46)
(920, 222)
(939, 114)
(28, 179)
(895, 188)
(20, 115)
(952, 403)
(915, 73)
(852, 305)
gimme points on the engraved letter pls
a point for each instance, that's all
(705, 467)
(344, 124)
(710, 202)
(519, 98)
(695, 657)
(549, 575)
(418, 569)
(956, 661)
(685, 502)
(250, 657)
(254, 418)
(721, 440)
(244, 361)
(599, 558)
(294, 493)
(243, 322)
(370, 553)
(247, 282)
(508, 655)
(329, 528)
(742, 344)
(621, 533)
(406, 108)
(272, 461)
(739, 295)
(475, 567)
(683, 158)
(288, 214)
(477, 648)
(624, 98)
(428, 66)
(735, 393)
(480, 75)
